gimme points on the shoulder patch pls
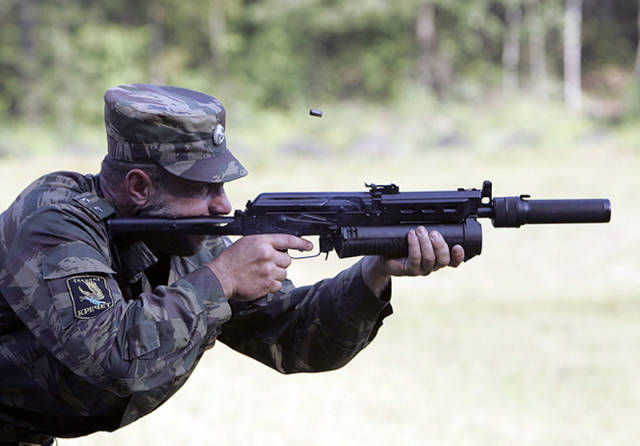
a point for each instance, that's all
(90, 296)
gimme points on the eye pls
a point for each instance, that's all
(203, 191)
(216, 189)
(198, 191)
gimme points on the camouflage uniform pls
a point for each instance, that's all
(87, 343)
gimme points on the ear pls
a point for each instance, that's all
(139, 187)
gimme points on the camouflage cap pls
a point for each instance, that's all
(181, 130)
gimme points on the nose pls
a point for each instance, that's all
(219, 203)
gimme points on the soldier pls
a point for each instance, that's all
(94, 333)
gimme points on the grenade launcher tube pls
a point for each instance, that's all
(392, 240)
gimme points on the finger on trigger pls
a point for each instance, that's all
(287, 241)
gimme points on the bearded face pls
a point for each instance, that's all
(180, 199)
(183, 245)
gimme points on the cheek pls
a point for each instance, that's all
(187, 207)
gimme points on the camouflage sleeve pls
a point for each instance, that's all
(64, 290)
(309, 329)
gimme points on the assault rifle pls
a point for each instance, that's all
(377, 221)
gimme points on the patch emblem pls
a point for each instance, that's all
(89, 295)
(218, 135)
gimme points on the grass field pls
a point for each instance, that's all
(537, 341)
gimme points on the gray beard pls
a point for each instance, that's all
(183, 245)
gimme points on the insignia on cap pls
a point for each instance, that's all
(218, 135)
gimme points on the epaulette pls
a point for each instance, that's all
(98, 207)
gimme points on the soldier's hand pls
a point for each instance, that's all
(256, 265)
(428, 252)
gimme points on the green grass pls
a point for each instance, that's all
(534, 342)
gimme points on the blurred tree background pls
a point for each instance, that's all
(534, 343)
(57, 57)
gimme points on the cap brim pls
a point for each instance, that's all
(220, 168)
